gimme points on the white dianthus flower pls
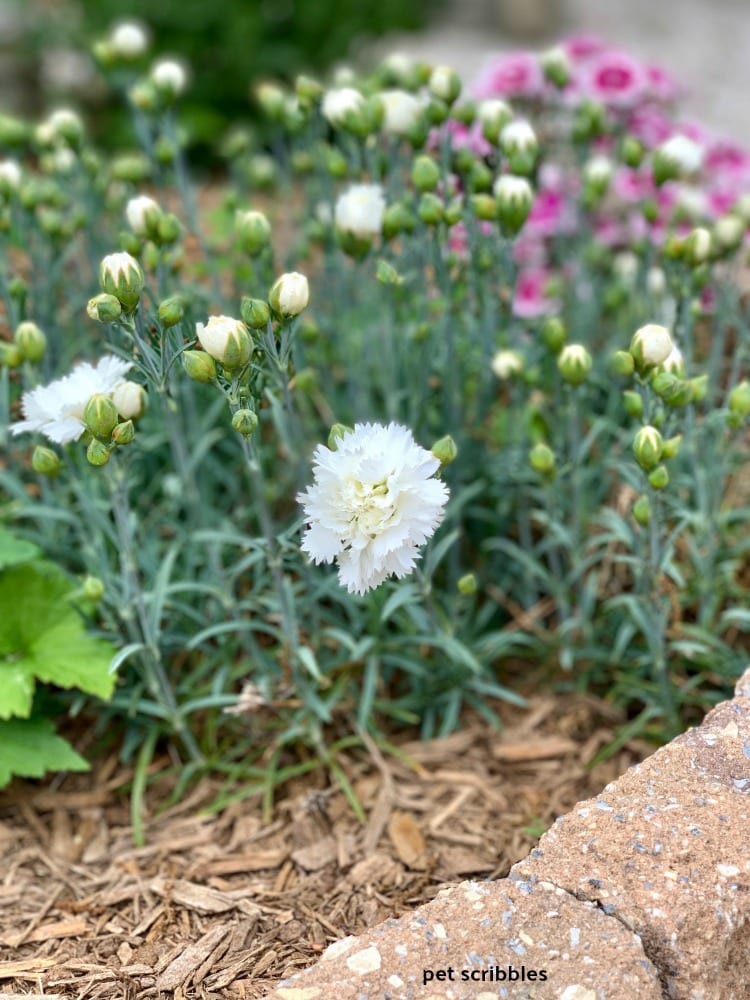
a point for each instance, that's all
(372, 505)
(11, 175)
(684, 152)
(129, 39)
(401, 111)
(56, 410)
(341, 102)
(360, 210)
(169, 75)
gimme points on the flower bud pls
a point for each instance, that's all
(507, 364)
(289, 294)
(121, 275)
(659, 477)
(633, 402)
(308, 90)
(255, 313)
(104, 308)
(671, 447)
(387, 274)
(98, 453)
(30, 341)
(143, 214)
(425, 173)
(171, 311)
(338, 431)
(227, 340)
(698, 246)
(445, 450)
(514, 197)
(542, 459)
(519, 143)
(632, 152)
(622, 363)
(642, 511)
(169, 77)
(597, 174)
(100, 415)
(168, 230)
(130, 400)
(254, 231)
(199, 366)
(46, 461)
(739, 400)
(648, 447)
(484, 207)
(493, 115)
(556, 66)
(467, 584)
(397, 219)
(679, 156)
(698, 388)
(554, 333)
(11, 355)
(92, 589)
(574, 363)
(124, 433)
(445, 84)
(245, 422)
(651, 345)
(430, 209)
(729, 232)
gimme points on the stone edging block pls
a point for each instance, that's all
(642, 892)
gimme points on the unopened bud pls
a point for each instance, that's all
(124, 433)
(622, 363)
(255, 313)
(104, 308)
(227, 340)
(648, 447)
(633, 402)
(542, 459)
(100, 415)
(92, 589)
(130, 400)
(698, 246)
(651, 345)
(171, 311)
(554, 333)
(514, 197)
(337, 431)
(659, 477)
(425, 173)
(445, 84)
(199, 366)
(30, 340)
(467, 584)
(46, 461)
(671, 447)
(121, 275)
(98, 453)
(289, 294)
(642, 511)
(430, 209)
(574, 363)
(254, 231)
(445, 450)
(245, 422)
(387, 274)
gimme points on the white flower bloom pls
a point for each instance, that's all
(685, 153)
(372, 505)
(518, 137)
(513, 190)
(11, 175)
(506, 364)
(401, 111)
(340, 102)
(169, 75)
(360, 210)
(56, 410)
(140, 212)
(598, 170)
(129, 39)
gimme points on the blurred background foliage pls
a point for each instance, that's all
(229, 44)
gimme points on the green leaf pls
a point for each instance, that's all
(30, 747)
(15, 550)
(43, 638)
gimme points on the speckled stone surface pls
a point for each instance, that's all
(469, 943)
(642, 892)
(666, 851)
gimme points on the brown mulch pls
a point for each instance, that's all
(225, 905)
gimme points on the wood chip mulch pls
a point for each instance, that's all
(225, 905)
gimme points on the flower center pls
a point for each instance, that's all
(370, 505)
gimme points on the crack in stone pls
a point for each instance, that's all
(662, 973)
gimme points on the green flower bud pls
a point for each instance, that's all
(271, 99)
(480, 177)
(171, 311)
(308, 90)
(30, 341)
(92, 589)
(589, 122)
(556, 66)
(642, 511)
(121, 275)
(430, 209)
(466, 112)
(632, 151)
(739, 399)
(493, 115)
(445, 84)
(425, 173)
(622, 363)
(337, 431)
(554, 333)
(98, 453)
(436, 113)
(46, 461)
(261, 171)
(168, 229)
(11, 355)
(574, 363)
(387, 274)
(245, 422)
(633, 403)
(336, 163)
(453, 212)
(398, 219)
(542, 459)
(671, 447)
(698, 388)
(445, 450)
(254, 231)
(648, 447)
(133, 168)
(130, 243)
(467, 584)
(100, 415)
(514, 197)
(484, 207)
(199, 366)
(255, 313)
(519, 143)
(659, 477)
(124, 433)
(104, 308)
(289, 294)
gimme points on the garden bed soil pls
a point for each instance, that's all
(224, 905)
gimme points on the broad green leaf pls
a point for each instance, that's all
(30, 747)
(43, 638)
(15, 550)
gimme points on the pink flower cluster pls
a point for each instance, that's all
(637, 100)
